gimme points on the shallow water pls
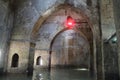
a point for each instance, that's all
(55, 74)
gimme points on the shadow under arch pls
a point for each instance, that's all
(51, 44)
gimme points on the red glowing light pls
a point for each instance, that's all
(70, 23)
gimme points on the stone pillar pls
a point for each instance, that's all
(31, 58)
(110, 62)
(116, 5)
(98, 43)
(108, 25)
(99, 59)
(92, 63)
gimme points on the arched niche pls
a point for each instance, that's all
(38, 60)
(15, 60)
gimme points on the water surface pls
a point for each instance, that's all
(54, 74)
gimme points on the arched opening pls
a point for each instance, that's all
(39, 61)
(70, 48)
(15, 60)
(48, 28)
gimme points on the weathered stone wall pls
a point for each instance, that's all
(109, 49)
(6, 20)
(22, 49)
(44, 59)
(107, 19)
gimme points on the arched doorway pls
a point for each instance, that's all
(15, 60)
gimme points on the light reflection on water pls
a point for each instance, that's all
(55, 74)
(62, 74)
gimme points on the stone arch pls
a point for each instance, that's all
(49, 12)
(65, 29)
(56, 8)
(80, 33)
(15, 60)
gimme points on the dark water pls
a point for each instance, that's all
(15, 77)
(55, 74)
